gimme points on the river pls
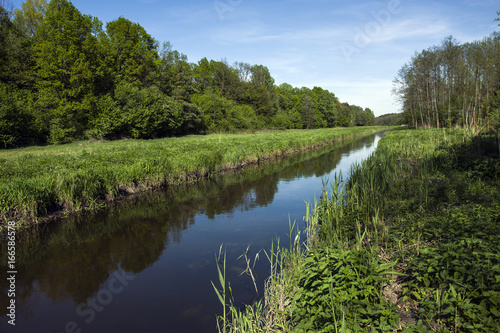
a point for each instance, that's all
(145, 264)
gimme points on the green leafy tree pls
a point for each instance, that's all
(135, 112)
(391, 119)
(15, 52)
(451, 84)
(282, 121)
(221, 114)
(6, 27)
(326, 107)
(262, 92)
(175, 74)
(176, 79)
(18, 126)
(286, 103)
(347, 115)
(30, 16)
(225, 78)
(66, 63)
(216, 110)
(365, 117)
(309, 111)
(133, 52)
(203, 75)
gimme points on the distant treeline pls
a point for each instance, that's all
(391, 119)
(63, 77)
(452, 85)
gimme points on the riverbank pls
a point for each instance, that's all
(38, 182)
(411, 243)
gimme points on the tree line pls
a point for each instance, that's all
(391, 119)
(452, 84)
(65, 76)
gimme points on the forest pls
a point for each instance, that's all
(64, 76)
(452, 84)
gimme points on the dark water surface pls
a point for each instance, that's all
(145, 264)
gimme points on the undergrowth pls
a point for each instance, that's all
(409, 243)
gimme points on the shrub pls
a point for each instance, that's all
(17, 125)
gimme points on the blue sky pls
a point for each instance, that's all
(352, 48)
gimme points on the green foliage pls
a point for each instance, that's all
(317, 108)
(220, 114)
(176, 77)
(282, 121)
(30, 16)
(352, 115)
(137, 113)
(81, 174)
(133, 52)
(394, 119)
(464, 80)
(340, 287)
(15, 52)
(261, 91)
(327, 105)
(74, 72)
(17, 123)
(457, 284)
(65, 58)
(438, 190)
(426, 205)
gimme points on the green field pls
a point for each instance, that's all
(39, 181)
(411, 243)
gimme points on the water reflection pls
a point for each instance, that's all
(66, 264)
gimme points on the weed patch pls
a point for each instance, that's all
(409, 243)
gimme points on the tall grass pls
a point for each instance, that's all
(409, 243)
(37, 181)
(273, 311)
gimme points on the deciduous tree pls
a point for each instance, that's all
(133, 52)
(66, 64)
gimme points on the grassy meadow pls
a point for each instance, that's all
(38, 181)
(410, 243)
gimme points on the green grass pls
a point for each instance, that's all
(410, 243)
(38, 181)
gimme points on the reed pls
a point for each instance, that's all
(410, 242)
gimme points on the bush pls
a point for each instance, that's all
(17, 124)
(138, 113)
(221, 114)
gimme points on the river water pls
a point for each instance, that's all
(145, 264)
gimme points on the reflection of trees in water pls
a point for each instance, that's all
(244, 195)
(75, 257)
(70, 265)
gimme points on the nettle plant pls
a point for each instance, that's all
(457, 286)
(341, 290)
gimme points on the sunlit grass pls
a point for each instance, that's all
(409, 243)
(37, 181)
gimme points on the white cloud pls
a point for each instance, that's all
(255, 32)
(412, 28)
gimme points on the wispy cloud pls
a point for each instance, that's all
(241, 34)
(408, 29)
(257, 32)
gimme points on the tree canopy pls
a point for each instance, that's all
(63, 77)
(452, 84)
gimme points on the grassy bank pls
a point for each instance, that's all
(411, 243)
(39, 181)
